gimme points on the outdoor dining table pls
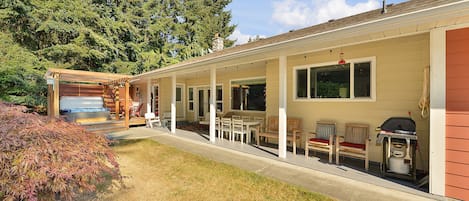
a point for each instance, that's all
(249, 127)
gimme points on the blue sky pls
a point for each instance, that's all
(271, 17)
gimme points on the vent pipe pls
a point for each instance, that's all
(384, 10)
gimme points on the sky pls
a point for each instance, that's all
(272, 17)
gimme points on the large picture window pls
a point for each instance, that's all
(352, 80)
(248, 94)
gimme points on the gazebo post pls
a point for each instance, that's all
(50, 99)
(117, 103)
(127, 103)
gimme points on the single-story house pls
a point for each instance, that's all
(363, 68)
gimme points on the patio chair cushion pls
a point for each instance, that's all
(319, 140)
(353, 145)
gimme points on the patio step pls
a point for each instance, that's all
(105, 127)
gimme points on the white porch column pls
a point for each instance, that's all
(213, 102)
(149, 96)
(437, 111)
(282, 107)
(173, 104)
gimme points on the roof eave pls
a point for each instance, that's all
(406, 19)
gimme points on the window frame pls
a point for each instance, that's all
(207, 87)
(188, 98)
(352, 98)
(231, 95)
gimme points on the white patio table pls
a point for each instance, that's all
(249, 127)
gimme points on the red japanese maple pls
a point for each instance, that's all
(48, 160)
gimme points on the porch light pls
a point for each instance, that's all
(341, 58)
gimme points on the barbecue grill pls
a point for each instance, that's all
(399, 139)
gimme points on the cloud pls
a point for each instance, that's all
(300, 13)
(242, 38)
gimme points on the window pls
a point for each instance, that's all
(191, 99)
(337, 81)
(248, 95)
(330, 81)
(301, 83)
(219, 98)
(178, 94)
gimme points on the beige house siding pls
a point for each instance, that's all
(399, 76)
(224, 77)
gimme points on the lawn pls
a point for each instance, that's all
(153, 171)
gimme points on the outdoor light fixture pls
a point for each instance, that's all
(341, 58)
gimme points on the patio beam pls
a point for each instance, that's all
(149, 96)
(173, 104)
(213, 102)
(282, 107)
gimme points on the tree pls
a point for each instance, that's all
(117, 36)
(49, 160)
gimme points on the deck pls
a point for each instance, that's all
(111, 126)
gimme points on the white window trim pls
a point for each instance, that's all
(308, 67)
(190, 101)
(183, 98)
(244, 79)
(197, 87)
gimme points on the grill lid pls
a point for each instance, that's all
(403, 125)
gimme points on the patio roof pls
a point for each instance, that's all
(85, 76)
(411, 17)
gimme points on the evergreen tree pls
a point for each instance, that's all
(118, 36)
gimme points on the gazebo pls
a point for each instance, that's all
(76, 83)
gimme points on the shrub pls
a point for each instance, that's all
(49, 160)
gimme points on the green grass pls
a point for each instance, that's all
(153, 171)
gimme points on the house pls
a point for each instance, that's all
(363, 68)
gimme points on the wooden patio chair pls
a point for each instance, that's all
(322, 139)
(294, 131)
(261, 127)
(354, 143)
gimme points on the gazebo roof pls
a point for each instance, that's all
(86, 76)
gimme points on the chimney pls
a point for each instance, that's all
(384, 10)
(217, 43)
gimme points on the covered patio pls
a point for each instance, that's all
(299, 168)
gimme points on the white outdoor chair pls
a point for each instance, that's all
(218, 127)
(150, 119)
(226, 126)
(238, 129)
(235, 117)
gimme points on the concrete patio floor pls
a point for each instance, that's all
(337, 181)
